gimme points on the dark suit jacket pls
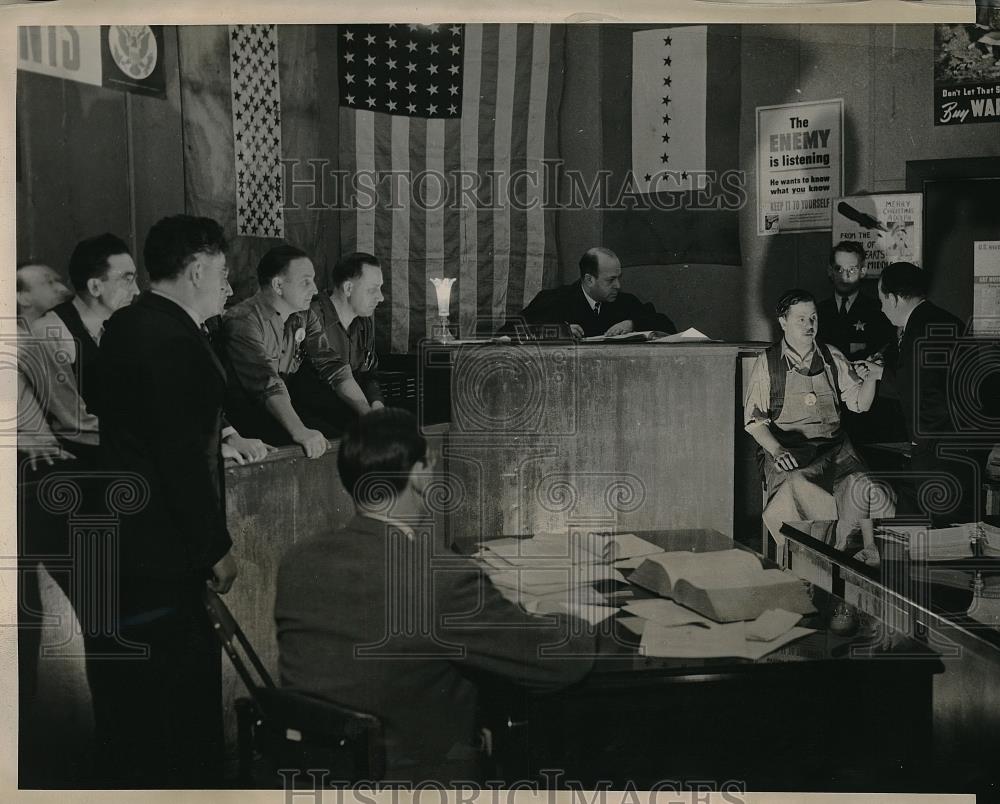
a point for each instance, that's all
(865, 327)
(923, 383)
(338, 593)
(568, 304)
(160, 415)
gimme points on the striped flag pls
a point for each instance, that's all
(443, 132)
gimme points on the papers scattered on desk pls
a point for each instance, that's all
(690, 334)
(712, 641)
(664, 612)
(943, 544)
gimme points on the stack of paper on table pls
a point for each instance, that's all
(944, 544)
(724, 585)
(574, 546)
(551, 573)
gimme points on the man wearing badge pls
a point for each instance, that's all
(797, 391)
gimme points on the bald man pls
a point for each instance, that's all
(595, 304)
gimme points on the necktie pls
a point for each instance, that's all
(843, 305)
(597, 309)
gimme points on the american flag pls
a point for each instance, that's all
(425, 111)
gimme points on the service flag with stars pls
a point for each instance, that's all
(443, 133)
(674, 143)
(669, 77)
(256, 107)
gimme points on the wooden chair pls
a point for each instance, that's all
(302, 740)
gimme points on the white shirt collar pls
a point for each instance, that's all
(850, 300)
(593, 304)
(198, 321)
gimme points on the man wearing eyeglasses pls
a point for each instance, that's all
(103, 275)
(851, 320)
(854, 322)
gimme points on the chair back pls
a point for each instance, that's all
(236, 645)
(305, 740)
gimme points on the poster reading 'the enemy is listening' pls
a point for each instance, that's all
(800, 166)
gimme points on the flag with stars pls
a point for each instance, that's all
(443, 133)
(669, 92)
(674, 143)
(256, 107)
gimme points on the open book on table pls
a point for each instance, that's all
(723, 585)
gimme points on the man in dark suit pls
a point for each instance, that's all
(594, 305)
(158, 716)
(855, 324)
(382, 617)
(920, 362)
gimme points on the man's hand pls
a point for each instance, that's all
(621, 328)
(39, 456)
(576, 330)
(245, 450)
(377, 405)
(223, 574)
(785, 461)
(312, 441)
(869, 370)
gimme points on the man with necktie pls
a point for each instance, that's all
(595, 303)
(921, 362)
(853, 322)
(156, 679)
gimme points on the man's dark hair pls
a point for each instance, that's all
(904, 279)
(377, 452)
(173, 242)
(589, 263)
(275, 261)
(848, 247)
(89, 259)
(351, 266)
(790, 297)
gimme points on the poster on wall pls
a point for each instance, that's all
(967, 70)
(986, 288)
(889, 226)
(800, 166)
(127, 57)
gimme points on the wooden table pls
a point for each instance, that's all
(926, 602)
(825, 712)
(546, 436)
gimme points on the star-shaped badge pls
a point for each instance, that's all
(860, 326)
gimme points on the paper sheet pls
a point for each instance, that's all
(690, 334)
(772, 624)
(664, 612)
(719, 641)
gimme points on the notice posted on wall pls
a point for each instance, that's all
(967, 69)
(986, 288)
(888, 226)
(800, 165)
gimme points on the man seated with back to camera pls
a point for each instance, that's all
(594, 304)
(261, 340)
(338, 380)
(797, 391)
(340, 595)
